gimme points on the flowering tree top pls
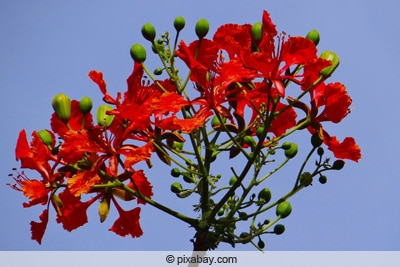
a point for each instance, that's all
(247, 92)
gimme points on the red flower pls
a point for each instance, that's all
(34, 156)
(128, 222)
(73, 211)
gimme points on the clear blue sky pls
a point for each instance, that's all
(48, 47)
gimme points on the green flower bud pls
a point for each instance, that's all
(104, 208)
(264, 196)
(261, 244)
(103, 119)
(316, 140)
(260, 131)
(313, 35)
(179, 23)
(188, 178)
(323, 179)
(175, 172)
(233, 180)
(62, 106)
(279, 229)
(242, 215)
(158, 71)
(338, 164)
(148, 32)
(202, 27)
(178, 146)
(334, 59)
(46, 137)
(283, 209)
(138, 53)
(286, 145)
(249, 141)
(320, 151)
(306, 178)
(291, 151)
(85, 105)
(176, 187)
(221, 212)
(256, 32)
(244, 235)
(215, 122)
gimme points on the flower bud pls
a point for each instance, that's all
(279, 229)
(176, 187)
(261, 244)
(148, 32)
(215, 122)
(323, 179)
(103, 119)
(158, 71)
(104, 208)
(46, 137)
(264, 196)
(233, 180)
(306, 178)
(256, 32)
(202, 27)
(333, 58)
(249, 141)
(178, 146)
(313, 35)
(283, 209)
(85, 105)
(175, 172)
(62, 106)
(338, 164)
(179, 23)
(291, 151)
(260, 131)
(316, 140)
(138, 53)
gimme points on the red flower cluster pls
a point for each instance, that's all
(235, 72)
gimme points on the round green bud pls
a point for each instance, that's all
(46, 137)
(279, 229)
(179, 23)
(244, 235)
(338, 164)
(103, 119)
(202, 27)
(188, 178)
(176, 187)
(177, 145)
(286, 145)
(260, 131)
(242, 215)
(264, 196)
(256, 31)
(261, 244)
(221, 212)
(215, 122)
(158, 71)
(175, 172)
(249, 141)
(334, 59)
(320, 151)
(85, 105)
(62, 106)
(316, 140)
(323, 179)
(313, 35)
(292, 151)
(306, 178)
(283, 209)
(138, 53)
(233, 180)
(148, 32)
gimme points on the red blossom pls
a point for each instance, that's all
(127, 223)
(76, 122)
(82, 183)
(139, 182)
(73, 211)
(34, 156)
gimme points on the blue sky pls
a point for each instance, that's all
(48, 47)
